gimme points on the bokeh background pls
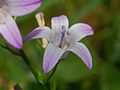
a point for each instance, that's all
(71, 74)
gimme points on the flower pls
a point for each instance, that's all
(8, 28)
(19, 7)
(61, 40)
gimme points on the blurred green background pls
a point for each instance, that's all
(71, 74)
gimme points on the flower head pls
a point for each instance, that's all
(63, 39)
(19, 7)
(9, 30)
(8, 27)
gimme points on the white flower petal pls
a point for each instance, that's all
(81, 50)
(9, 30)
(59, 22)
(40, 32)
(20, 7)
(81, 30)
(51, 57)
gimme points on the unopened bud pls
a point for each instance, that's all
(41, 22)
(40, 19)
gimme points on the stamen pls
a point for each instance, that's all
(62, 36)
(63, 33)
(65, 39)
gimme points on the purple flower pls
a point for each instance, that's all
(63, 39)
(19, 7)
(8, 27)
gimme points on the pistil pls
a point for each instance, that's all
(64, 39)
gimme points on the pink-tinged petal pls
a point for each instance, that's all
(81, 30)
(51, 57)
(21, 7)
(59, 22)
(40, 32)
(9, 30)
(81, 50)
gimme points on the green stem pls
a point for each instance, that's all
(49, 77)
(26, 60)
(53, 85)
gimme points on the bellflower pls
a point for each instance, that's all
(61, 40)
(19, 7)
(8, 27)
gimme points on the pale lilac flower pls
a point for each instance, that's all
(19, 7)
(9, 30)
(8, 27)
(63, 39)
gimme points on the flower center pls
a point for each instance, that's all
(65, 39)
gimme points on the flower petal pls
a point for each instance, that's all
(9, 30)
(81, 50)
(80, 31)
(21, 7)
(51, 57)
(40, 32)
(59, 22)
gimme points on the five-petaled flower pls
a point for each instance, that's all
(61, 40)
(8, 27)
